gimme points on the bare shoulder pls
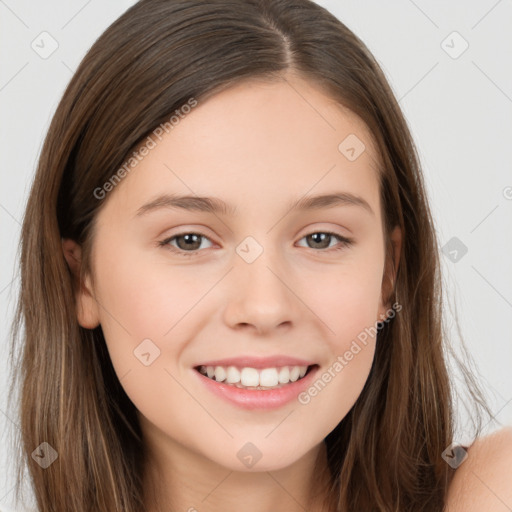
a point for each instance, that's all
(484, 480)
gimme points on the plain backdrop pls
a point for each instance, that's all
(450, 66)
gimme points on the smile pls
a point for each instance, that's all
(252, 378)
(252, 395)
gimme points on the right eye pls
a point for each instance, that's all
(187, 242)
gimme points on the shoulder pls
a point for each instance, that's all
(484, 480)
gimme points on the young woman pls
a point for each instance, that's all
(230, 280)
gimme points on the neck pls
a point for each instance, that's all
(186, 481)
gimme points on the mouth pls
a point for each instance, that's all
(250, 378)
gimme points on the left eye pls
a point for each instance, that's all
(319, 237)
(191, 242)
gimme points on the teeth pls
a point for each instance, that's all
(253, 378)
(268, 377)
(220, 374)
(294, 373)
(233, 375)
(284, 375)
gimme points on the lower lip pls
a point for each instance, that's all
(257, 398)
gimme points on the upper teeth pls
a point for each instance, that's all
(252, 377)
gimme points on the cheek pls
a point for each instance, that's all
(351, 349)
(347, 302)
(346, 298)
(162, 303)
(141, 302)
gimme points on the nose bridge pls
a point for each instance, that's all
(256, 265)
(261, 297)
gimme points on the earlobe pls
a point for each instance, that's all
(86, 305)
(391, 269)
(396, 240)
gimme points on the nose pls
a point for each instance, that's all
(260, 295)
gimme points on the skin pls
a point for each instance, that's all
(484, 480)
(257, 146)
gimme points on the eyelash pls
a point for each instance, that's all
(343, 243)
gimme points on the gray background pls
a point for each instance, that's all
(458, 105)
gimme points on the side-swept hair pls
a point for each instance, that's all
(385, 455)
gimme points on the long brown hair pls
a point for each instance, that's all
(385, 455)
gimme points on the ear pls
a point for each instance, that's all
(86, 305)
(390, 271)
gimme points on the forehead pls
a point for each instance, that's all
(258, 142)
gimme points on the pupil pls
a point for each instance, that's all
(319, 237)
(190, 240)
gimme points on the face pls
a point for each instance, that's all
(177, 286)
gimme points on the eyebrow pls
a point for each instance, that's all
(216, 205)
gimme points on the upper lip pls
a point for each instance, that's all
(258, 362)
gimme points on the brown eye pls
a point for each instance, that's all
(322, 240)
(319, 240)
(189, 244)
(185, 243)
